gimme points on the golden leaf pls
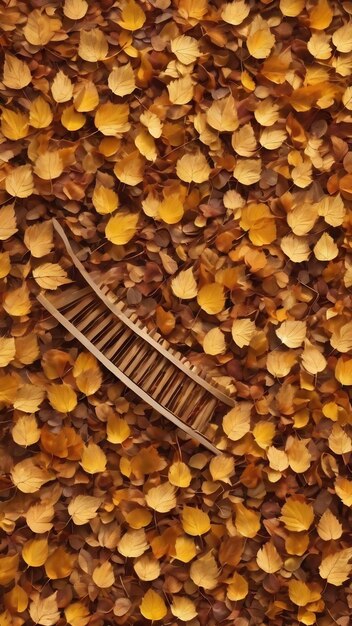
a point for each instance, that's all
(299, 592)
(28, 477)
(39, 239)
(40, 114)
(152, 123)
(71, 119)
(321, 15)
(296, 248)
(263, 433)
(7, 222)
(103, 575)
(211, 298)
(268, 558)
(62, 397)
(17, 74)
(50, 276)
(9, 384)
(299, 457)
(260, 39)
(8, 568)
(112, 119)
(130, 169)
(193, 10)
(292, 333)
(236, 423)
(186, 49)
(222, 467)
(146, 146)
(39, 517)
(278, 459)
(77, 614)
(325, 249)
(335, 568)
(5, 264)
(35, 552)
(132, 15)
(44, 611)
(222, 114)
(341, 338)
(343, 488)
(93, 45)
(292, 8)
(272, 138)
(204, 572)
(247, 521)
(153, 606)
(7, 350)
(86, 97)
(193, 168)
(133, 543)
(61, 87)
(244, 141)
(297, 515)
(40, 28)
(49, 165)
(214, 342)
(93, 459)
(17, 302)
(248, 171)
(319, 46)
(16, 600)
(25, 431)
(121, 228)
(105, 200)
(19, 182)
(185, 549)
(179, 474)
(235, 12)
(161, 498)
(14, 125)
(342, 38)
(121, 81)
(238, 588)
(117, 430)
(184, 285)
(243, 331)
(83, 508)
(329, 527)
(147, 568)
(75, 9)
(343, 371)
(339, 441)
(195, 522)
(312, 359)
(183, 608)
(181, 90)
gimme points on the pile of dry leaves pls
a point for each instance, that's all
(199, 153)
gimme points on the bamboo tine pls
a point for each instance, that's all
(78, 308)
(94, 333)
(105, 341)
(129, 356)
(153, 376)
(173, 388)
(192, 407)
(122, 347)
(138, 360)
(204, 414)
(68, 296)
(166, 376)
(115, 343)
(145, 367)
(186, 392)
(91, 319)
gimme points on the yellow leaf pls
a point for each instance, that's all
(222, 467)
(260, 39)
(49, 165)
(62, 397)
(243, 331)
(179, 474)
(132, 15)
(121, 80)
(244, 141)
(40, 28)
(44, 611)
(235, 12)
(121, 228)
(130, 169)
(302, 219)
(183, 608)
(325, 249)
(267, 112)
(211, 298)
(77, 614)
(278, 459)
(7, 222)
(25, 431)
(296, 248)
(146, 146)
(247, 521)
(222, 114)
(248, 171)
(105, 200)
(71, 119)
(193, 168)
(298, 456)
(8, 568)
(39, 517)
(171, 210)
(184, 285)
(86, 97)
(28, 477)
(17, 302)
(335, 568)
(238, 588)
(161, 498)
(321, 15)
(29, 398)
(152, 123)
(195, 521)
(103, 575)
(341, 339)
(181, 90)
(147, 568)
(83, 508)
(117, 430)
(19, 182)
(339, 441)
(272, 138)
(14, 125)
(16, 601)
(93, 45)
(319, 46)
(343, 371)
(9, 384)
(299, 592)
(50, 276)
(297, 515)
(214, 342)
(61, 88)
(5, 263)
(153, 606)
(39, 238)
(263, 433)
(268, 558)
(342, 38)
(185, 549)
(7, 350)
(329, 527)
(138, 518)
(312, 359)
(343, 488)
(17, 74)
(193, 10)
(35, 552)
(292, 333)
(204, 572)
(93, 459)
(40, 114)
(75, 9)
(112, 119)
(236, 423)
(186, 49)
(133, 543)
(292, 8)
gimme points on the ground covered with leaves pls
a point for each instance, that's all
(198, 152)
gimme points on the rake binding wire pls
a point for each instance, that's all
(140, 359)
